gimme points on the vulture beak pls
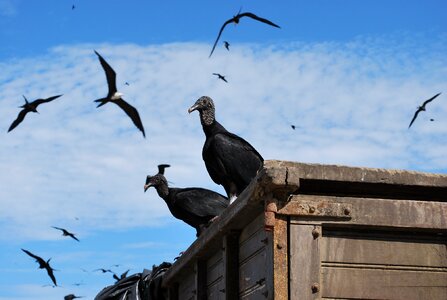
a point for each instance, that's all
(193, 108)
(146, 186)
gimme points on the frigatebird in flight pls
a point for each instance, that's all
(65, 232)
(220, 77)
(422, 108)
(27, 107)
(72, 296)
(43, 265)
(236, 19)
(115, 96)
(104, 270)
(122, 276)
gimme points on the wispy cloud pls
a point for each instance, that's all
(351, 102)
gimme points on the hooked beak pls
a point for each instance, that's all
(193, 108)
(146, 186)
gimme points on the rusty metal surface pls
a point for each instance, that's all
(316, 207)
(280, 260)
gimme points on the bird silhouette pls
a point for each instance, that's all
(227, 45)
(162, 167)
(220, 77)
(65, 232)
(27, 107)
(72, 296)
(43, 265)
(422, 108)
(122, 276)
(104, 270)
(236, 19)
(115, 96)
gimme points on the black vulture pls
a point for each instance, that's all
(43, 265)
(230, 160)
(422, 108)
(27, 107)
(66, 233)
(114, 96)
(195, 206)
(236, 19)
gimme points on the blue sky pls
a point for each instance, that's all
(348, 74)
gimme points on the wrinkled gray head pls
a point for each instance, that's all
(205, 106)
(155, 181)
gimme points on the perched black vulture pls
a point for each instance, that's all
(230, 160)
(195, 206)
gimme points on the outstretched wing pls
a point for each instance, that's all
(253, 16)
(19, 119)
(37, 258)
(161, 168)
(132, 113)
(50, 273)
(110, 75)
(431, 99)
(220, 33)
(414, 117)
(40, 101)
(73, 236)
(58, 228)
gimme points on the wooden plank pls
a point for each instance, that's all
(187, 286)
(316, 207)
(279, 247)
(231, 265)
(252, 244)
(403, 253)
(386, 213)
(201, 279)
(258, 292)
(214, 268)
(253, 272)
(216, 291)
(250, 229)
(352, 283)
(304, 262)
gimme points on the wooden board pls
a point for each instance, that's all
(364, 283)
(304, 261)
(187, 287)
(378, 252)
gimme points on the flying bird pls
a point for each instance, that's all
(196, 207)
(43, 265)
(122, 276)
(72, 296)
(230, 160)
(162, 167)
(236, 19)
(227, 45)
(422, 108)
(73, 7)
(293, 127)
(115, 96)
(27, 107)
(104, 270)
(220, 77)
(66, 233)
